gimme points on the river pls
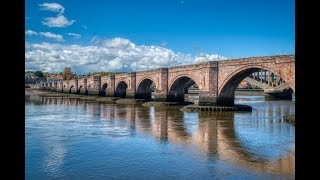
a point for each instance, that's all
(73, 139)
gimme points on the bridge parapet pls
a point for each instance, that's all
(122, 75)
(259, 59)
(200, 65)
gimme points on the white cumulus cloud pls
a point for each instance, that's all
(55, 7)
(209, 57)
(117, 54)
(119, 43)
(56, 37)
(76, 36)
(30, 32)
(59, 21)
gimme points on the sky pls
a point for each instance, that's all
(134, 35)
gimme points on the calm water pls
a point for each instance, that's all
(73, 139)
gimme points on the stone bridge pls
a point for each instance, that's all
(216, 80)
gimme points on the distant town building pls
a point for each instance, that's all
(54, 78)
(32, 79)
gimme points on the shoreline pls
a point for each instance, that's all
(100, 99)
(116, 100)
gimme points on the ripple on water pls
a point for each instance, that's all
(72, 139)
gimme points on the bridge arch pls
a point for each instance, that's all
(79, 90)
(174, 80)
(227, 89)
(144, 89)
(121, 89)
(70, 90)
(146, 77)
(103, 90)
(178, 87)
(60, 86)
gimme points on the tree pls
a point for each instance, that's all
(38, 73)
(67, 73)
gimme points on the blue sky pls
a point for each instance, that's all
(173, 32)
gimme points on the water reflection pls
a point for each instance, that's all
(245, 139)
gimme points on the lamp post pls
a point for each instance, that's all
(218, 53)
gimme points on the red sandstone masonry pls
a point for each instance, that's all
(214, 78)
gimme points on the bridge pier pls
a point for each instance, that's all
(73, 91)
(80, 90)
(93, 92)
(54, 86)
(225, 101)
(160, 96)
(43, 87)
(207, 99)
(102, 93)
(65, 90)
(53, 89)
(131, 90)
(92, 86)
(84, 89)
(145, 96)
(111, 87)
(175, 97)
(47, 86)
(130, 94)
(109, 94)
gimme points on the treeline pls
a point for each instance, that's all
(38, 73)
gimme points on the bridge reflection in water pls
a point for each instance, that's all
(245, 139)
